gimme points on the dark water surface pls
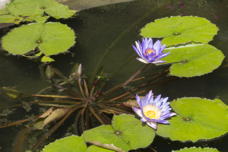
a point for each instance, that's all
(104, 39)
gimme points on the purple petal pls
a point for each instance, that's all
(142, 60)
(163, 55)
(158, 62)
(157, 46)
(137, 51)
(152, 124)
(138, 100)
(138, 111)
(168, 115)
(160, 121)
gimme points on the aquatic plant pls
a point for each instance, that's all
(149, 52)
(153, 110)
(40, 39)
(93, 98)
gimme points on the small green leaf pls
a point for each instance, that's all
(25, 8)
(55, 9)
(197, 149)
(126, 132)
(180, 30)
(97, 149)
(67, 144)
(197, 119)
(56, 38)
(23, 39)
(47, 59)
(193, 60)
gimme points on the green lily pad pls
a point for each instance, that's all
(56, 38)
(51, 38)
(97, 149)
(180, 30)
(197, 149)
(197, 119)
(25, 8)
(193, 60)
(67, 144)
(55, 9)
(33, 10)
(126, 132)
(23, 39)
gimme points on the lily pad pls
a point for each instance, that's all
(56, 38)
(193, 60)
(34, 10)
(197, 149)
(23, 39)
(97, 149)
(197, 119)
(126, 132)
(180, 30)
(51, 38)
(55, 9)
(67, 144)
(25, 8)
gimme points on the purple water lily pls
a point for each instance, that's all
(149, 52)
(153, 110)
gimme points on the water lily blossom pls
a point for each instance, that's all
(153, 110)
(149, 52)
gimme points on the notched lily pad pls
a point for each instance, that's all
(35, 10)
(24, 8)
(51, 38)
(55, 9)
(56, 38)
(197, 119)
(180, 30)
(197, 149)
(23, 39)
(193, 60)
(67, 144)
(126, 132)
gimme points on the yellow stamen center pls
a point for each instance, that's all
(149, 51)
(151, 112)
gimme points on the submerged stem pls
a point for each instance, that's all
(96, 115)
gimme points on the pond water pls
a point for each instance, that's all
(104, 38)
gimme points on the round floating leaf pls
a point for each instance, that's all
(55, 9)
(132, 130)
(51, 38)
(194, 60)
(197, 149)
(180, 30)
(23, 39)
(25, 8)
(196, 119)
(67, 144)
(97, 149)
(126, 133)
(56, 38)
